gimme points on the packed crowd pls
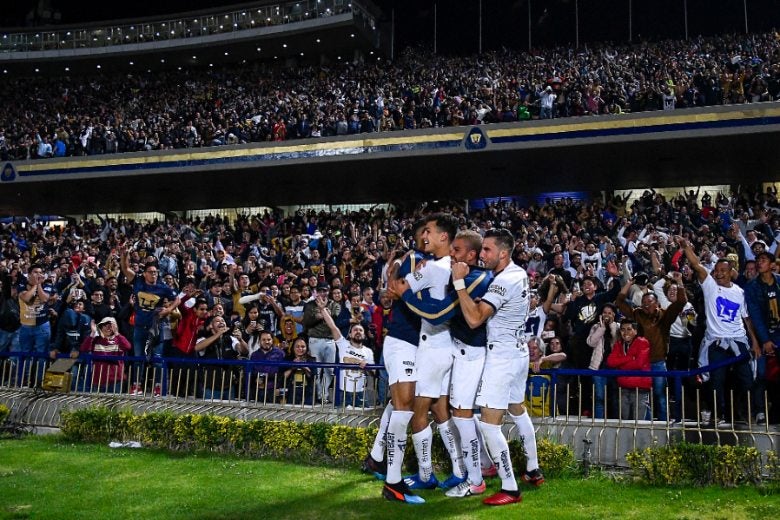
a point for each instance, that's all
(211, 288)
(109, 113)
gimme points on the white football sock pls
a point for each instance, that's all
(422, 447)
(451, 437)
(470, 446)
(378, 449)
(396, 444)
(525, 429)
(499, 451)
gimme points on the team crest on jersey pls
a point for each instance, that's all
(147, 301)
(417, 275)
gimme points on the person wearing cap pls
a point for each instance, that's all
(321, 344)
(547, 102)
(105, 340)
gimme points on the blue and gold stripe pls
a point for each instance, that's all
(748, 118)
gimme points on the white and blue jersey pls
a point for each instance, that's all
(434, 277)
(447, 309)
(404, 324)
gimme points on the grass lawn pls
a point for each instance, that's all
(47, 477)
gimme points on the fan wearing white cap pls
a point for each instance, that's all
(106, 345)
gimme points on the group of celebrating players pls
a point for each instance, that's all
(456, 342)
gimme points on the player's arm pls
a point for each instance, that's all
(475, 313)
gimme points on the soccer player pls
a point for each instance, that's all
(504, 308)
(400, 351)
(434, 357)
(468, 353)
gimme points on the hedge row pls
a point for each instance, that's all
(702, 465)
(4, 413)
(306, 442)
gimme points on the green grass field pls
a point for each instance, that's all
(47, 477)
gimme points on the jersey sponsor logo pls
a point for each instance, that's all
(497, 289)
(727, 310)
(417, 275)
(409, 363)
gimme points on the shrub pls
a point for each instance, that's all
(93, 424)
(699, 465)
(309, 442)
(4, 413)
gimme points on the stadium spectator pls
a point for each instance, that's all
(632, 352)
(265, 377)
(193, 108)
(103, 341)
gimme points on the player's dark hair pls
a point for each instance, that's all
(503, 237)
(444, 222)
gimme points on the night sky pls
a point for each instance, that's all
(504, 22)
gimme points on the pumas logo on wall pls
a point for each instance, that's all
(475, 139)
(8, 173)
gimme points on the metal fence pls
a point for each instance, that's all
(562, 402)
(260, 383)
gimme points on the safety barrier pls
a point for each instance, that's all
(561, 401)
(258, 382)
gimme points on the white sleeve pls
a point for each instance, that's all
(423, 278)
(497, 294)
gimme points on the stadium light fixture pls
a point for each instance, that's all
(226, 53)
(97, 66)
(284, 45)
(162, 60)
(318, 40)
(132, 63)
(67, 69)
